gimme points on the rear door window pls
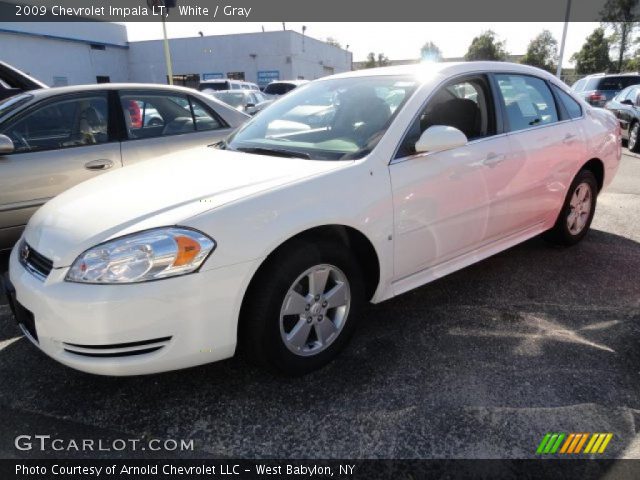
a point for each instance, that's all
(152, 114)
(527, 100)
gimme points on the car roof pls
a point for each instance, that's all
(625, 74)
(53, 91)
(291, 82)
(235, 91)
(424, 71)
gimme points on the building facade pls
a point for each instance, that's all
(77, 53)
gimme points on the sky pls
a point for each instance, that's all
(396, 40)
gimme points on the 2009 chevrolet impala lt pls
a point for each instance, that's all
(353, 188)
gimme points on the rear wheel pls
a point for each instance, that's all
(633, 144)
(577, 212)
(302, 307)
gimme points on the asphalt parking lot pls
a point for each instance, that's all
(480, 364)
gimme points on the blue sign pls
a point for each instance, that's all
(211, 76)
(265, 77)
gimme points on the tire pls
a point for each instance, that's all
(281, 302)
(634, 141)
(571, 227)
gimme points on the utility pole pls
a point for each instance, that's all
(564, 39)
(166, 5)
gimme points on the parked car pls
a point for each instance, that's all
(226, 84)
(626, 107)
(14, 81)
(54, 138)
(598, 89)
(247, 101)
(282, 87)
(273, 242)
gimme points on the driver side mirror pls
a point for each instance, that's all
(439, 138)
(6, 145)
(626, 101)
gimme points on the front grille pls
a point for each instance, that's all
(117, 349)
(33, 261)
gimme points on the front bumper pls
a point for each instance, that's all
(137, 328)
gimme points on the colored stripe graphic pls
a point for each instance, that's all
(567, 443)
(543, 443)
(606, 441)
(581, 443)
(572, 443)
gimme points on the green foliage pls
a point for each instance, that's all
(332, 41)
(621, 17)
(486, 47)
(542, 52)
(430, 52)
(373, 62)
(593, 57)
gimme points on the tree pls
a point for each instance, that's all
(383, 60)
(593, 57)
(430, 52)
(542, 52)
(621, 16)
(486, 47)
(372, 62)
(333, 42)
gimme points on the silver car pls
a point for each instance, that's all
(54, 138)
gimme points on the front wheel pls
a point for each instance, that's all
(302, 307)
(577, 211)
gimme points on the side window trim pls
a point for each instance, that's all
(563, 114)
(208, 109)
(498, 106)
(555, 89)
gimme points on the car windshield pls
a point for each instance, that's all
(214, 86)
(278, 88)
(12, 103)
(335, 119)
(235, 99)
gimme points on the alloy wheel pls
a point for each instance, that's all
(633, 136)
(580, 208)
(315, 310)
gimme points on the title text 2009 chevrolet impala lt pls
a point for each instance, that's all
(353, 188)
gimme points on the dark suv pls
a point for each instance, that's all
(599, 89)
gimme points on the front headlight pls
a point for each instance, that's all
(139, 257)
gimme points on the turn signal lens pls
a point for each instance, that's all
(188, 249)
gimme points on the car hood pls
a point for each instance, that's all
(160, 192)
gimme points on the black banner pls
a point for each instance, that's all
(296, 10)
(319, 469)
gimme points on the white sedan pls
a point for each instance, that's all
(272, 241)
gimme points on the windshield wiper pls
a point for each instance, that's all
(277, 152)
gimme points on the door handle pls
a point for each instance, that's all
(101, 164)
(568, 138)
(493, 159)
